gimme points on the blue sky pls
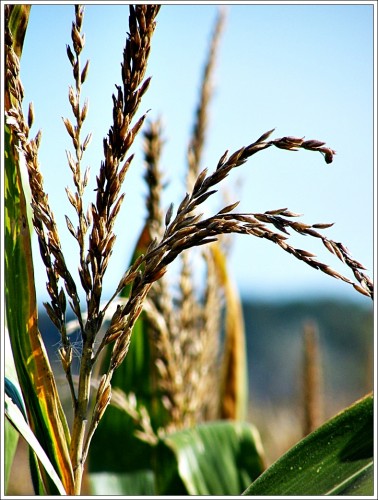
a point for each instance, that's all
(306, 70)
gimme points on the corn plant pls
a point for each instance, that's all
(153, 353)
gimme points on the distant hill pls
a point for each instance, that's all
(275, 342)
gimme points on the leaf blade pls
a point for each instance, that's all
(34, 373)
(215, 458)
(17, 419)
(328, 460)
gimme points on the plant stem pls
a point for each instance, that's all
(80, 416)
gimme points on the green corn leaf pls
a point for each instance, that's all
(33, 369)
(216, 458)
(12, 389)
(12, 392)
(15, 416)
(336, 459)
(40, 395)
(10, 433)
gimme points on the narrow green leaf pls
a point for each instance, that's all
(45, 414)
(12, 392)
(336, 459)
(12, 389)
(34, 373)
(17, 419)
(10, 433)
(216, 458)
